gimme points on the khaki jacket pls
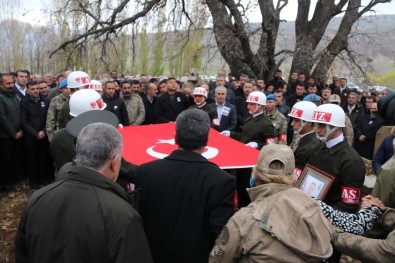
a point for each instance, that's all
(367, 249)
(135, 108)
(282, 224)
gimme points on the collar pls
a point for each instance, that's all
(187, 156)
(257, 114)
(91, 177)
(21, 89)
(259, 192)
(334, 141)
(219, 106)
(307, 133)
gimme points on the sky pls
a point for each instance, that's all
(32, 11)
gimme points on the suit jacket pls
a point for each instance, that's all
(166, 111)
(368, 127)
(228, 117)
(185, 201)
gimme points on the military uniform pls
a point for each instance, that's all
(258, 129)
(366, 249)
(342, 162)
(135, 108)
(282, 224)
(348, 131)
(304, 149)
(211, 113)
(280, 124)
(53, 114)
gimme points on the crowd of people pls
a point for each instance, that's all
(184, 207)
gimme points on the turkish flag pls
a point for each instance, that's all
(146, 143)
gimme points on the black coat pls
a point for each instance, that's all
(368, 127)
(185, 201)
(166, 111)
(85, 218)
(305, 149)
(117, 106)
(150, 117)
(34, 116)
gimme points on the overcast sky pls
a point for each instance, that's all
(32, 11)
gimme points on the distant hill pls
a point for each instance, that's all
(379, 46)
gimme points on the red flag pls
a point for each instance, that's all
(150, 142)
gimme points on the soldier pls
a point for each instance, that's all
(366, 249)
(336, 157)
(199, 97)
(305, 139)
(258, 130)
(264, 231)
(55, 106)
(278, 120)
(348, 129)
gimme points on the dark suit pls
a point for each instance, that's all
(185, 201)
(368, 127)
(167, 110)
(228, 117)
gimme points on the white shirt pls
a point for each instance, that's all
(22, 90)
(335, 141)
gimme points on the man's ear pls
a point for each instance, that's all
(113, 163)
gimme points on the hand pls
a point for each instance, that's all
(362, 138)
(252, 145)
(40, 135)
(19, 135)
(120, 126)
(369, 200)
(226, 133)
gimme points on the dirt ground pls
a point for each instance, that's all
(10, 213)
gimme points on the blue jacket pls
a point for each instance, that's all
(384, 153)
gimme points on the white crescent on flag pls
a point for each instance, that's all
(151, 142)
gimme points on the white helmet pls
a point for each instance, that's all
(96, 85)
(330, 114)
(78, 79)
(257, 97)
(200, 91)
(85, 100)
(303, 110)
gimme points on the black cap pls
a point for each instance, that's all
(75, 125)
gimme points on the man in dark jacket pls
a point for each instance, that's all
(87, 217)
(10, 132)
(185, 200)
(34, 114)
(114, 103)
(170, 104)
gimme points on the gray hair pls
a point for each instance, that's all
(221, 88)
(192, 129)
(97, 144)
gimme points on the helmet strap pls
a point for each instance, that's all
(328, 132)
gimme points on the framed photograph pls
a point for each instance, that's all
(314, 182)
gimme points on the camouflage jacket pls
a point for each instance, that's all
(54, 109)
(348, 131)
(367, 249)
(280, 124)
(282, 224)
